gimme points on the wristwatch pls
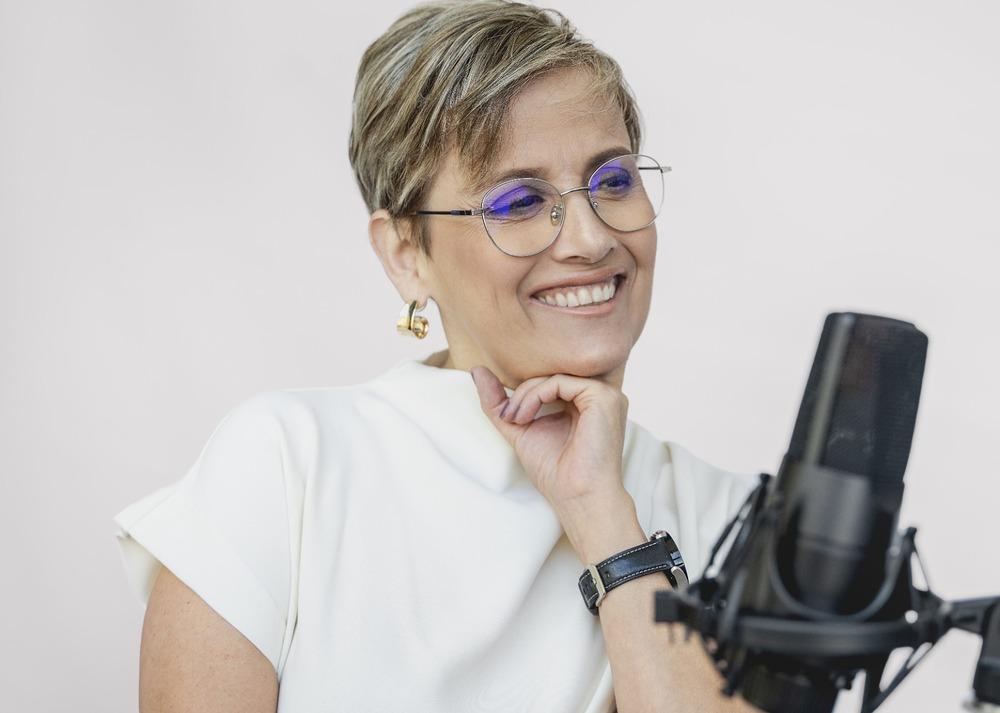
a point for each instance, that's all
(659, 554)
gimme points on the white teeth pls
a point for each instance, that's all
(581, 296)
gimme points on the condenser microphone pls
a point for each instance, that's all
(856, 419)
(837, 495)
(816, 585)
(811, 558)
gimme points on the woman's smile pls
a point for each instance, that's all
(597, 309)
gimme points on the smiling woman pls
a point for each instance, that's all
(557, 125)
(421, 541)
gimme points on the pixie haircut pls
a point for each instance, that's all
(443, 76)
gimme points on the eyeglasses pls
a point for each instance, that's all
(523, 216)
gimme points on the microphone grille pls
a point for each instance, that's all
(860, 403)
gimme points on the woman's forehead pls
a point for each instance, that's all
(555, 126)
(575, 165)
(560, 96)
(572, 152)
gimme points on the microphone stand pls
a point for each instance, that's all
(740, 641)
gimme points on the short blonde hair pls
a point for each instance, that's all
(443, 75)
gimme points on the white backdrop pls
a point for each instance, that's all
(180, 230)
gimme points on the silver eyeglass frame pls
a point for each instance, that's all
(481, 211)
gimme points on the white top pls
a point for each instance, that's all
(383, 548)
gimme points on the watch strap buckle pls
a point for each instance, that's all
(598, 584)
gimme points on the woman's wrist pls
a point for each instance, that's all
(599, 526)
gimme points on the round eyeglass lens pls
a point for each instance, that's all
(522, 215)
(627, 191)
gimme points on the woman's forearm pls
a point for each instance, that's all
(651, 673)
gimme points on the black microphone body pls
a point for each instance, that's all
(816, 585)
(839, 489)
(814, 553)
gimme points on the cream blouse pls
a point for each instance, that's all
(383, 548)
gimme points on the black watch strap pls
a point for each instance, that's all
(660, 554)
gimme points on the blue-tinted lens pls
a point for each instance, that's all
(514, 200)
(615, 179)
(520, 215)
(627, 191)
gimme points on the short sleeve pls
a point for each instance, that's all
(223, 528)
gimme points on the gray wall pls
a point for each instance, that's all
(179, 229)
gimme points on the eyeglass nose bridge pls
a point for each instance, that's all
(556, 214)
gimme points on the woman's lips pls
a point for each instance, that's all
(600, 308)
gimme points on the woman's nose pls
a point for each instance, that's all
(583, 233)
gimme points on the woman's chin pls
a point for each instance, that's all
(587, 361)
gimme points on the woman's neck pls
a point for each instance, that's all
(440, 359)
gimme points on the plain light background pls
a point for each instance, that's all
(180, 229)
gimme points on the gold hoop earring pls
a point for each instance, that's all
(410, 324)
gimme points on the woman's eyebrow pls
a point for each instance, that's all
(592, 163)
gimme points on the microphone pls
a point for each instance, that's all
(815, 586)
(838, 494)
(843, 472)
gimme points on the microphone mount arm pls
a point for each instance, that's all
(736, 639)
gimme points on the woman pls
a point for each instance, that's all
(415, 542)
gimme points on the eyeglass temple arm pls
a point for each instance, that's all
(661, 169)
(474, 211)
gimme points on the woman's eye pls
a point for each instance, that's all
(516, 206)
(615, 181)
(525, 202)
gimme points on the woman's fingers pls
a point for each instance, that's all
(491, 391)
(517, 397)
(558, 387)
(493, 399)
(525, 401)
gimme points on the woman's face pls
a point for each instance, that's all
(485, 297)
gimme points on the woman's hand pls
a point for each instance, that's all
(572, 455)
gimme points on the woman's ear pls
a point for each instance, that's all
(399, 254)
